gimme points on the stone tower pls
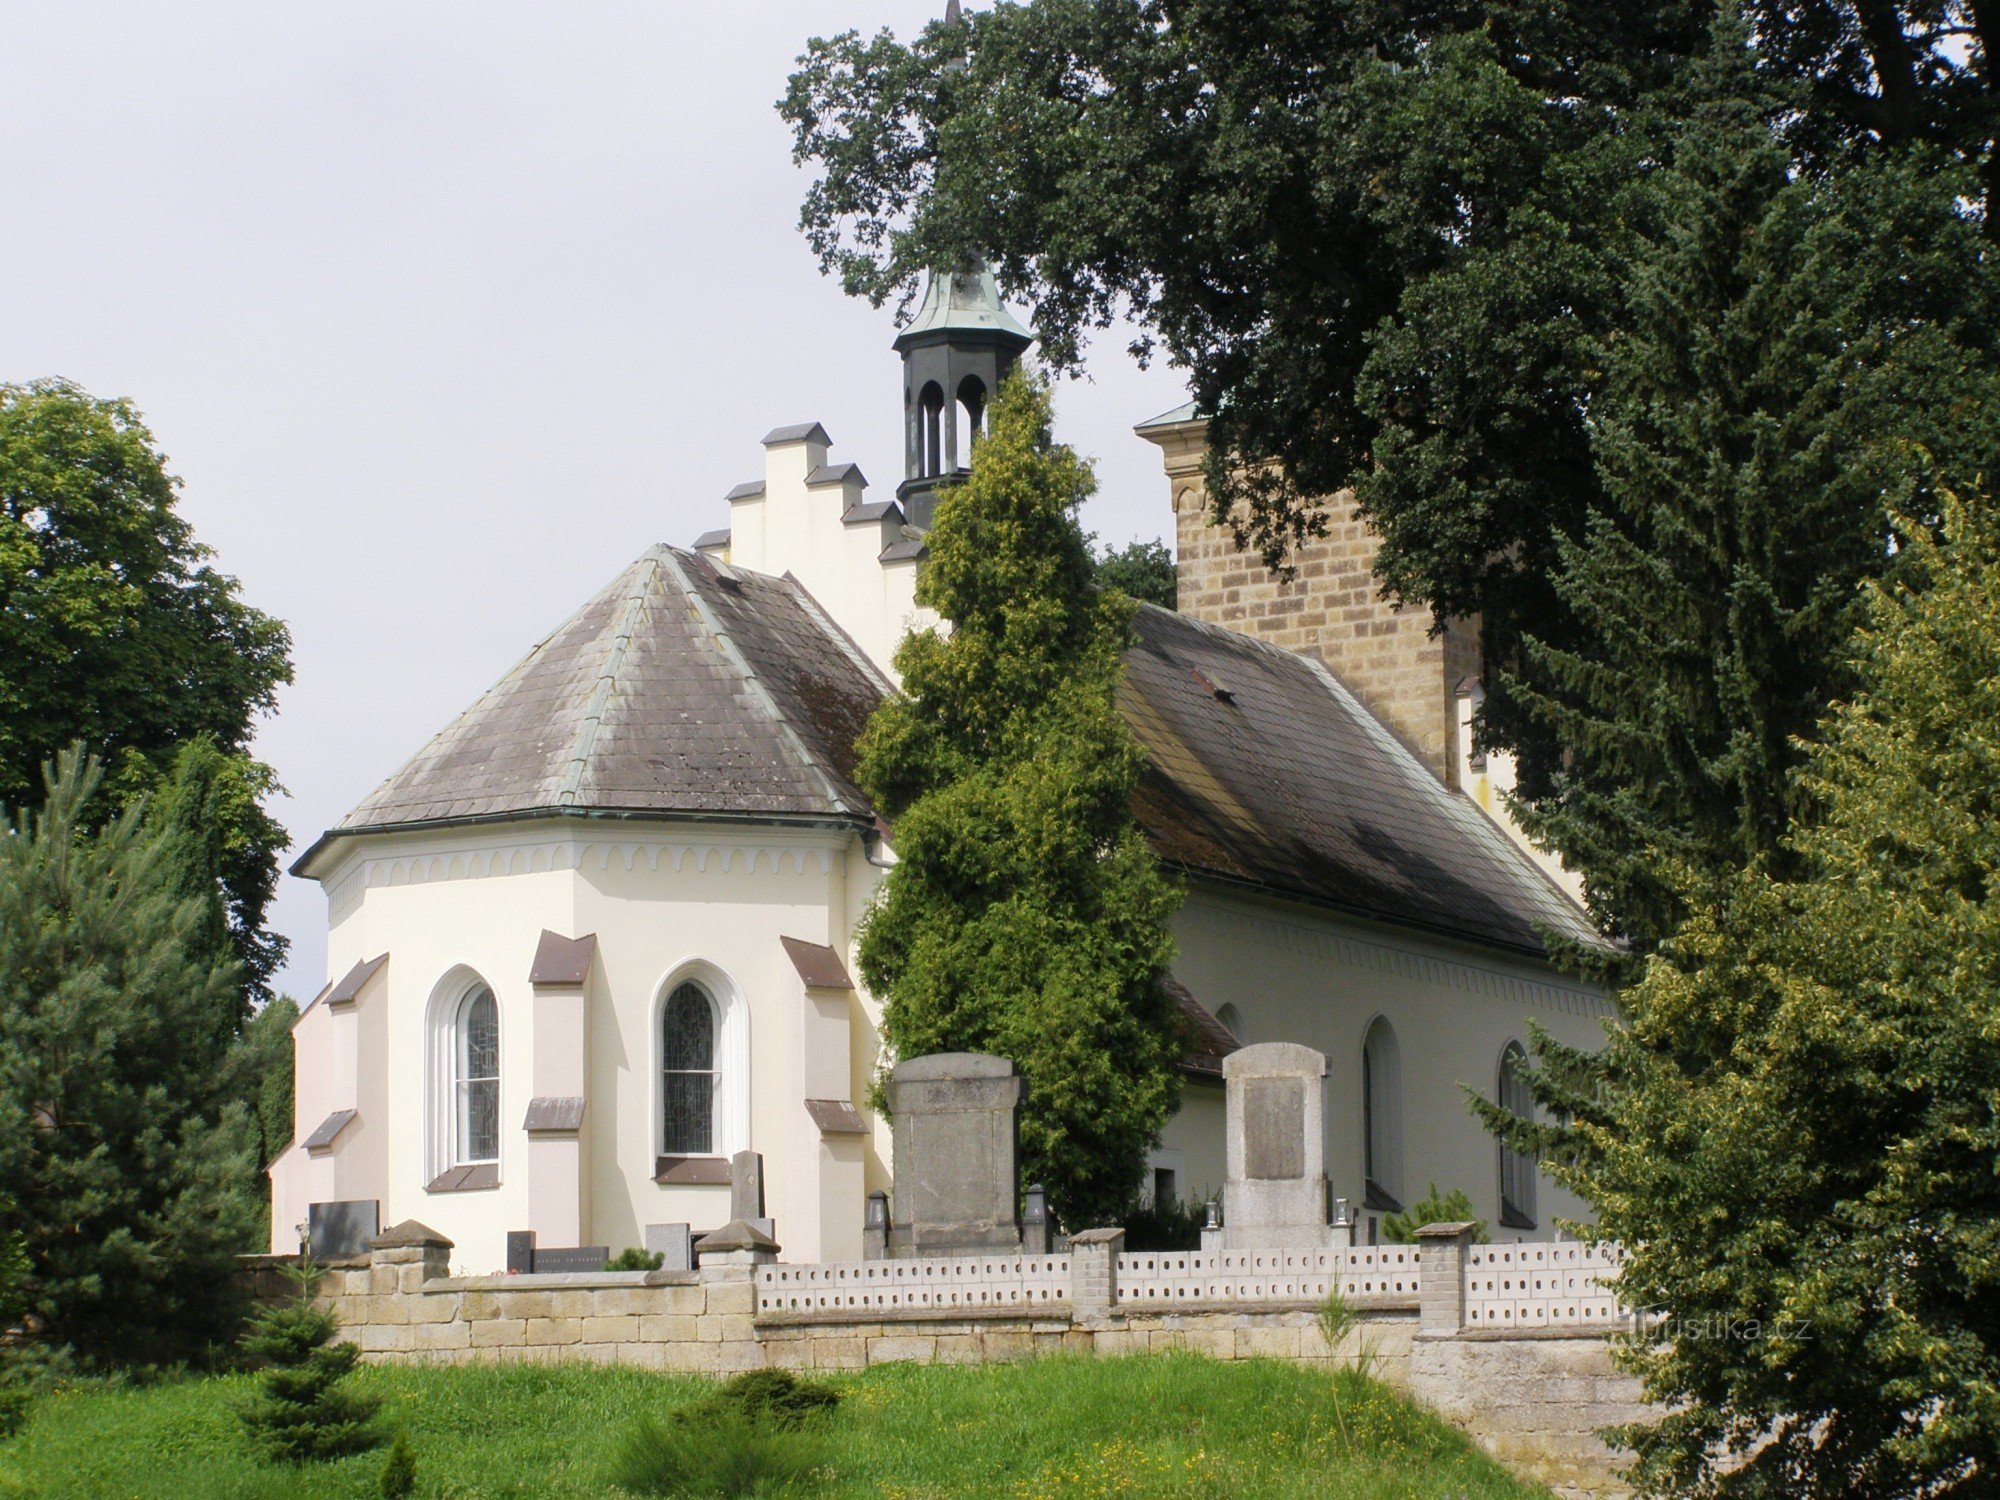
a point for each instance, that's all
(1417, 683)
(956, 352)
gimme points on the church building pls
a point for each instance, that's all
(598, 935)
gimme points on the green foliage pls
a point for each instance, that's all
(1454, 1207)
(1576, 333)
(261, 1065)
(1175, 1227)
(765, 1398)
(304, 1412)
(632, 1258)
(724, 1456)
(124, 1150)
(1794, 353)
(115, 630)
(744, 1439)
(1143, 570)
(1026, 916)
(1798, 1135)
(399, 1470)
(1172, 1426)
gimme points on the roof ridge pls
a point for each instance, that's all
(840, 637)
(584, 744)
(671, 556)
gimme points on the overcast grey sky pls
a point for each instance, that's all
(443, 313)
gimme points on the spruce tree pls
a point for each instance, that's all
(1026, 915)
(1797, 352)
(1798, 1144)
(123, 1150)
(304, 1411)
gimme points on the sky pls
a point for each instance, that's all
(445, 312)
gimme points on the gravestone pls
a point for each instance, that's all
(342, 1228)
(1275, 1195)
(957, 1142)
(526, 1258)
(746, 1192)
(674, 1243)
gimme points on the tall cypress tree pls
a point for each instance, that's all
(1798, 353)
(1026, 915)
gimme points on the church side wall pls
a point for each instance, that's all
(1295, 974)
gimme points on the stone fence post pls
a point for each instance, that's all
(1093, 1273)
(402, 1259)
(1441, 1278)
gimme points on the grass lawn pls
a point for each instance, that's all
(1166, 1425)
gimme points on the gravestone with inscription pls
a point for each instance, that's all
(957, 1144)
(1275, 1194)
(341, 1229)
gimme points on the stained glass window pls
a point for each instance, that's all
(688, 1075)
(478, 1082)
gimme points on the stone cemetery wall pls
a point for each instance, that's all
(1511, 1342)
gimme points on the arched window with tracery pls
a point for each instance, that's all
(688, 1072)
(476, 1077)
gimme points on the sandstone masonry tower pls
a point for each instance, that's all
(1332, 607)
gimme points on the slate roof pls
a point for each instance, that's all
(1208, 1040)
(684, 687)
(687, 688)
(1265, 771)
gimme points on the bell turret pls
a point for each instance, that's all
(956, 352)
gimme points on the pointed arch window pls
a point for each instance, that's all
(1382, 1117)
(1518, 1169)
(476, 1078)
(689, 1077)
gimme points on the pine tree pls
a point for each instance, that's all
(1026, 915)
(122, 1150)
(1799, 1141)
(1797, 352)
(303, 1411)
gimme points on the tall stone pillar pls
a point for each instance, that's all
(1441, 1277)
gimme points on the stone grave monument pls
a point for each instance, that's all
(957, 1137)
(342, 1229)
(1275, 1194)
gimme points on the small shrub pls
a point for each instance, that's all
(1454, 1207)
(28, 1369)
(722, 1454)
(399, 1473)
(1175, 1227)
(764, 1398)
(302, 1413)
(17, 1399)
(632, 1258)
